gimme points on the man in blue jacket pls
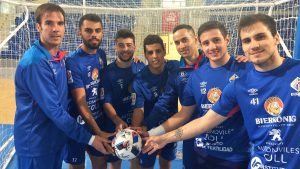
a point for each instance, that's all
(41, 121)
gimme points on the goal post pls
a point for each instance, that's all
(297, 39)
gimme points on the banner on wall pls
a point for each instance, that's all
(169, 20)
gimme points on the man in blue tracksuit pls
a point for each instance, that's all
(41, 121)
(148, 85)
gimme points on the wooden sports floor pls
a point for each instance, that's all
(7, 101)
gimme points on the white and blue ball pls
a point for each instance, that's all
(127, 144)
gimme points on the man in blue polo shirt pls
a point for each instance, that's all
(268, 97)
(186, 43)
(85, 69)
(148, 86)
(118, 77)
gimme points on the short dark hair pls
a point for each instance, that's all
(212, 25)
(184, 26)
(90, 17)
(153, 39)
(124, 33)
(47, 7)
(267, 20)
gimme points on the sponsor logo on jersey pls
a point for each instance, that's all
(253, 92)
(206, 106)
(256, 163)
(203, 84)
(278, 119)
(69, 76)
(126, 99)
(89, 68)
(274, 106)
(120, 82)
(296, 86)
(94, 92)
(276, 134)
(101, 93)
(233, 77)
(133, 99)
(200, 143)
(154, 91)
(183, 74)
(213, 95)
(101, 63)
(92, 83)
(95, 73)
(80, 120)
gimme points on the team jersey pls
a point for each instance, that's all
(229, 140)
(85, 71)
(148, 87)
(41, 122)
(117, 84)
(270, 105)
(174, 89)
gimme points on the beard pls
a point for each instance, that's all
(90, 45)
(125, 59)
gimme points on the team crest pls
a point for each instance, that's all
(95, 74)
(69, 76)
(233, 77)
(296, 86)
(213, 95)
(274, 106)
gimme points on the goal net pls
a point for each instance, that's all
(143, 17)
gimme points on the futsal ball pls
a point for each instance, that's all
(127, 144)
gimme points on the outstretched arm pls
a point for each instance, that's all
(198, 126)
(177, 120)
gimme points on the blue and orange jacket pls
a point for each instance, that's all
(42, 123)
